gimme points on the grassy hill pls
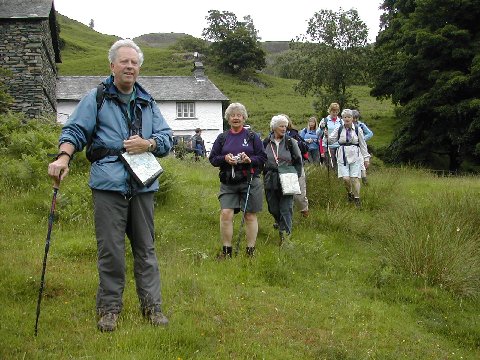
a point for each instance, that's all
(161, 40)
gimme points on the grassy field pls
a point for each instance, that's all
(335, 294)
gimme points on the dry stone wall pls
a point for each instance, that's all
(26, 51)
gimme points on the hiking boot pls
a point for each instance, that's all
(286, 242)
(304, 213)
(225, 254)
(350, 197)
(358, 204)
(107, 322)
(155, 316)
(250, 251)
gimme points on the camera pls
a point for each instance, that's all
(237, 158)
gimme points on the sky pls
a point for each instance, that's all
(132, 18)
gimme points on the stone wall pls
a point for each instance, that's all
(26, 50)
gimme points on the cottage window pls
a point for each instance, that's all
(185, 110)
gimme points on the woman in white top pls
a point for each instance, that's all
(351, 153)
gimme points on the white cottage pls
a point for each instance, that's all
(186, 102)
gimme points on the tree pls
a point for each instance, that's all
(192, 44)
(427, 60)
(334, 56)
(91, 24)
(235, 47)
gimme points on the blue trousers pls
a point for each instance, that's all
(281, 208)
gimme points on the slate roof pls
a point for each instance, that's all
(14, 9)
(162, 88)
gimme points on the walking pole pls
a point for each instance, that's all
(47, 246)
(237, 245)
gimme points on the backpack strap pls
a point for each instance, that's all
(100, 97)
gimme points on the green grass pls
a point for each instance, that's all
(336, 294)
(342, 291)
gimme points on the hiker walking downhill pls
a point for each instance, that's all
(129, 119)
(281, 150)
(327, 125)
(367, 134)
(310, 135)
(352, 151)
(240, 156)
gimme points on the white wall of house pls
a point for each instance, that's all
(209, 118)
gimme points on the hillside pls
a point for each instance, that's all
(160, 40)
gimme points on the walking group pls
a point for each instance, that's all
(123, 118)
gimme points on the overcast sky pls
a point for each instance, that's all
(275, 21)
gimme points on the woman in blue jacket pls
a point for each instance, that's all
(309, 134)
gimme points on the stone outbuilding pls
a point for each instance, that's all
(29, 51)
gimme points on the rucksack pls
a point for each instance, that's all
(242, 172)
(89, 153)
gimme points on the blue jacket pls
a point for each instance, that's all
(109, 173)
(367, 133)
(310, 134)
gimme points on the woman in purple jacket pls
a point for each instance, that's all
(240, 155)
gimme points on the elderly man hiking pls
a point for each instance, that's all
(125, 119)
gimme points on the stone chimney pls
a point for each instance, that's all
(198, 68)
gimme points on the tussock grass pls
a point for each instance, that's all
(438, 242)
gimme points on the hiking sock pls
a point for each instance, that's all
(350, 197)
(250, 250)
(227, 251)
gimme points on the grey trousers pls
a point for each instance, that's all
(281, 208)
(116, 217)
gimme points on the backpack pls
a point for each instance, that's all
(89, 153)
